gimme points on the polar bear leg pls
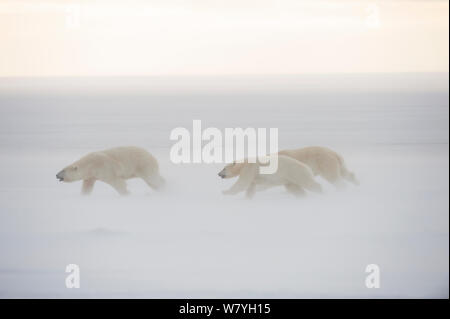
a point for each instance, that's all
(340, 184)
(119, 185)
(251, 190)
(349, 176)
(154, 181)
(245, 179)
(304, 179)
(313, 186)
(332, 173)
(264, 186)
(295, 189)
(88, 186)
(345, 173)
(241, 185)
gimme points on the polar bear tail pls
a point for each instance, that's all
(345, 173)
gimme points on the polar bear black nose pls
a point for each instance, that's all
(60, 176)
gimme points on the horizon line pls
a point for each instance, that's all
(217, 75)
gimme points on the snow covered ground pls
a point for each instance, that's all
(190, 240)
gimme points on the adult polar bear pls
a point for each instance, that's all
(294, 175)
(323, 162)
(113, 166)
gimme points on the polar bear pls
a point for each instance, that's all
(293, 174)
(323, 162)
(113, 166)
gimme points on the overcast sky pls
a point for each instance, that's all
(211, 37)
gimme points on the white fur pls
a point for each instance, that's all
(114, 166)
(294, 175)
(323, 162)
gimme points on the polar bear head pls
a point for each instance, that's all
(69, 174)
(231, 170)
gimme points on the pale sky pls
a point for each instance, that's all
(212, 37)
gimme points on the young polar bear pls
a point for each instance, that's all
(294, 175)
(323, 162)
(113, 166)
